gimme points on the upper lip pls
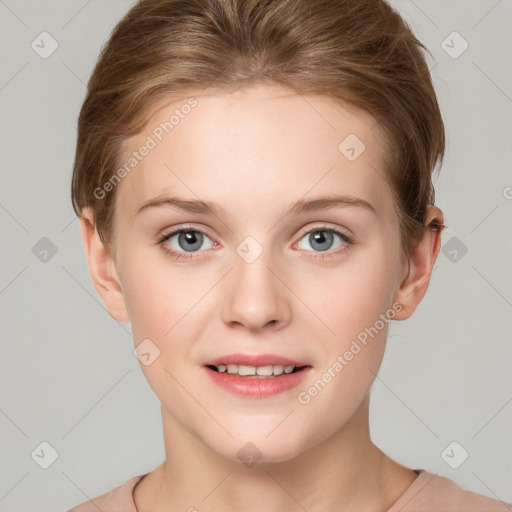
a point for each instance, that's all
(254, 360)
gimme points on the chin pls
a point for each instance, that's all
(258, 450)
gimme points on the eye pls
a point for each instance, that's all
(184, 243)
(323, 239)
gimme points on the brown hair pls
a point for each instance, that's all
(357, 51)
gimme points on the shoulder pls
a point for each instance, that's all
(431, 492)
(119, 499)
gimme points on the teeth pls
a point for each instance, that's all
(268, 370)
(278, 369)
(246, 370)
(232, 368)
(264, 371)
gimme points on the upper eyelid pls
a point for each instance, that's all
(325, 227)
(184, 228)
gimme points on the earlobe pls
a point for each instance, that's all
(102, 268)
(420, 264)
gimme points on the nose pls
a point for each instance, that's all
(256, 295)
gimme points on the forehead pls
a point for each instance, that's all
(259, 145)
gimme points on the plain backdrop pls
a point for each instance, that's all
(77, 416)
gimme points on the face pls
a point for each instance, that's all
(268, 271)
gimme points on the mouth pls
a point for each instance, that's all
(256, 376)
(257, 372)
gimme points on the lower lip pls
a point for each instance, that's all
(258, 388)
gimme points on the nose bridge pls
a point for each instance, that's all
(255, 297)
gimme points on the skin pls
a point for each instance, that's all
(255, 152)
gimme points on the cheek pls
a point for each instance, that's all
(157, 295)
(156, 300)
(352, 347)
(148, 302)
(353, 298)
(354, 306)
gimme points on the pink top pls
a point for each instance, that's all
(428, 493)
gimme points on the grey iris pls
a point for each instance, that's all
(321, 240)
(193, 238)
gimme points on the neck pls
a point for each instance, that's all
(343, 472)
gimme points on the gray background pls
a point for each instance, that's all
(68, 376)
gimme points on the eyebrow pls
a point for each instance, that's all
(301, 206)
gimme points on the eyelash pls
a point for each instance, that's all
(194, 255)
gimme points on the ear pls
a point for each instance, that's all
(102, 268)
(416, 277)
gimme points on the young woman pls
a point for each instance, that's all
(254, 184)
